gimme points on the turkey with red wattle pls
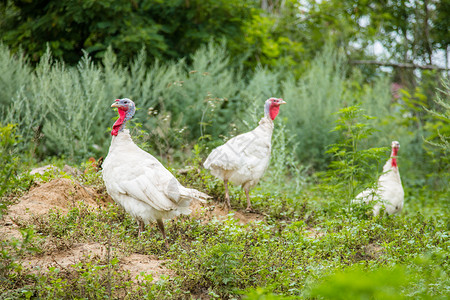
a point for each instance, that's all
(244, 159)
(389, 192)
(139, 182)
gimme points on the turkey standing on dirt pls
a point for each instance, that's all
(389, 192)
(139, 182)
(244, 159)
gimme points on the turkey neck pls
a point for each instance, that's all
(394, 157)
(124, 116)
(267, 124)
(271, 111)
(267, 121)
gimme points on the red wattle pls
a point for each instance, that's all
(394, 157)
(394, 151)
(273, 111)
(119, 122)
(394, 162)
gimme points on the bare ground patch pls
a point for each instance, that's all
(58, 194)
(64, 259)
(62, 194)
(212, 209)
(149, 264)
(136, 264)
(374, 251)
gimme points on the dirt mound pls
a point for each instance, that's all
(213, 210)
(64, 259)
(138, 263)
(58, 194)
(62, 194)
(135, 263)
(8, 230)
(374, 251)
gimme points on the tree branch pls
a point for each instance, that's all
(397, 65)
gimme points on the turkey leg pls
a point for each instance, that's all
(249, 205)
(227, 195)
(141, 227)
(161, 227)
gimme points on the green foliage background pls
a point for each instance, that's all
(199, 73)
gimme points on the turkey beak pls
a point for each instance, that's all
(115, 104)
(282, 102)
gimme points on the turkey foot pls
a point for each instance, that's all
(249, 205)
(141, 227)
(227, 194)
(161, 227)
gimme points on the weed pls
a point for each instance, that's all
(352, 169)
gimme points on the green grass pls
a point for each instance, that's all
(350, 254)
(308, 245)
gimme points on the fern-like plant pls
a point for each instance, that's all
(352, 169)
(8, 160)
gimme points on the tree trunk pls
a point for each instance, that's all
(426, 30)
(399, 65)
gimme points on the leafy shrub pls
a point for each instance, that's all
(313, 99)
(11, 254)
(11, 178)
(9, 162)
(353, 169)
(221, 263)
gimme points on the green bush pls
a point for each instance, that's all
(11, 179)
(11, 255)
(353, 168)
(64, 111)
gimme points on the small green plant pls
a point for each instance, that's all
(11, 254)
(221, 263)
(9, 162)
(352, 168)
(10, 178)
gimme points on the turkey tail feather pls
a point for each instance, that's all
(194, 194)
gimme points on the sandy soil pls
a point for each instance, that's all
(58, 194)
(62, 194)
(216, 210)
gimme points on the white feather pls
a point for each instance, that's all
(142, 185)
(389, 192)
(244, 158)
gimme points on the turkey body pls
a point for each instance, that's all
(139, 183)
(389, 192)
(244, 159)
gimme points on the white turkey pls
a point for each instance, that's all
(244, 159)
(389, 192)
(139, 182)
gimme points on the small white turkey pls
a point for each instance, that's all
(389, 192)
(139, 182)
(244, 159)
